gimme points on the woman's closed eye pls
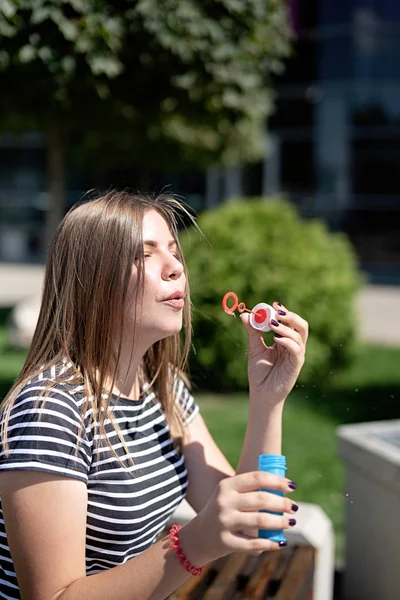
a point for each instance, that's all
(142, 255)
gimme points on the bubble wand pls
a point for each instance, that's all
(260, 315)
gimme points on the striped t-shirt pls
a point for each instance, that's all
(127, 507)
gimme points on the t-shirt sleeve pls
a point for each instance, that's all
(186, 401)
(46, 433)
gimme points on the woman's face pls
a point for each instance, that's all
(164, 283)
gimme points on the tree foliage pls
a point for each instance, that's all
(145, 77)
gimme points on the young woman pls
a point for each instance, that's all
(101, 438)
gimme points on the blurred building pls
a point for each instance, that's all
(334, 143)
(337, 127)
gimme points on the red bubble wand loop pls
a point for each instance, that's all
(260, 316)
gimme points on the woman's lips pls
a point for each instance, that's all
(175, 302)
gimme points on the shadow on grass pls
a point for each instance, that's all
(7, 380)
(355, 405)
(4, 312)
(345, 404)
(11, 360)
(5, 385)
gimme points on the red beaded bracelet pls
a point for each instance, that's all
(175, 544)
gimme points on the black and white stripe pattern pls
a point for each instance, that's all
(127, 507)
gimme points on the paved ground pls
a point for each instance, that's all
(379, 314)
(378, 306)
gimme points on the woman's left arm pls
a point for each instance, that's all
(272, 371)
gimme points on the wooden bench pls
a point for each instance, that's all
(285, 574)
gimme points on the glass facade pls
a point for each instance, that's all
(22, 201)
(338, 121)
(24, 197)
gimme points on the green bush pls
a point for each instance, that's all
(262, 250)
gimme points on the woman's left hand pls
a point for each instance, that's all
(273, 370)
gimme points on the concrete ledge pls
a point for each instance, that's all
(371, 456)
(368, 448)
(313, 528)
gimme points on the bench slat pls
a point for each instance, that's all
(185, 591)
(298, 570)
(261, 576)
(282, 575)
(225, 581)
(286, 557)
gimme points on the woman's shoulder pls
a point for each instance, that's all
(53, 387)
(46, 429)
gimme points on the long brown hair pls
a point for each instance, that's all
(83, 306)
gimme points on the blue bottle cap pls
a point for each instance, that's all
(271, 461)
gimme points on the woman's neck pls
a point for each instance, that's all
(130, 391)
(128, 380)
(129, 377)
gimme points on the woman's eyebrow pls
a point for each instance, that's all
(154, 244)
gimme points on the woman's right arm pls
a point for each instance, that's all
(45, 520)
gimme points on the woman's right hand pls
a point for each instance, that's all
(231, 519)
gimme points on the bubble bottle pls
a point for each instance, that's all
(275, 464)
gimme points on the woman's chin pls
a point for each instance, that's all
(168, 331)
(173, 331)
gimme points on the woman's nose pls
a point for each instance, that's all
(173, 269)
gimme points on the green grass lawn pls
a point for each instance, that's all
(368, 391)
